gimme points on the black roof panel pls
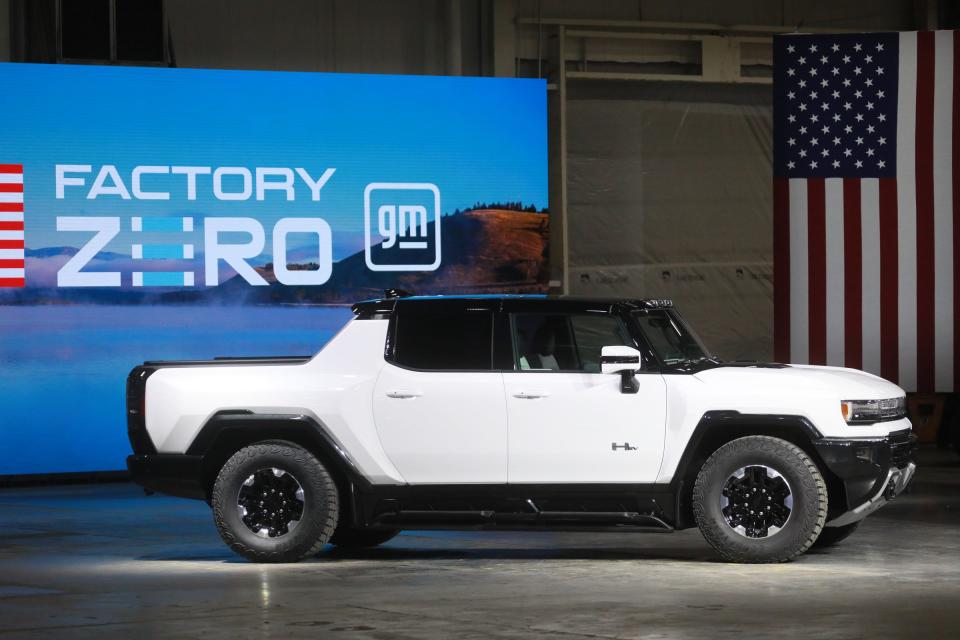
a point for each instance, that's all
(383, 307)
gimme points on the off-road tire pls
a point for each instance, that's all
(807, 486)
(320, 498)
(347, 538)
(834, 535)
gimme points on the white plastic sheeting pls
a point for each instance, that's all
(669, 189)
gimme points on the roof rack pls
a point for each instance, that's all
(396, 293)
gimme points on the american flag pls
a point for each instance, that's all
(866, 181)
(11, 226)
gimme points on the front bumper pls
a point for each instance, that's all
(174, 474)
(871, 472)
(897, 480)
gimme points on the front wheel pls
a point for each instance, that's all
(275, 502)
(760, 499)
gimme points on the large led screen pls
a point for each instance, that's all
(171, 213)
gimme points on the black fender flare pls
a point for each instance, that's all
(226, 432)
(718, 427)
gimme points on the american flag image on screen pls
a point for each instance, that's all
(11, 226)
(866, 180)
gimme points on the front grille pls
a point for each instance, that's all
(902, 448)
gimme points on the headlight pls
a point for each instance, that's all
(870, 411)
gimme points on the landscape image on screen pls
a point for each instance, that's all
(65, 350)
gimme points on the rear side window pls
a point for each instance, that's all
(442, 336)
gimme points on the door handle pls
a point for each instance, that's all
(403, 395)
(531, 395)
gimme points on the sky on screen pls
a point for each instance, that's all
(478, 139)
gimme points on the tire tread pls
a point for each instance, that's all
(711, 528)
(322, 483)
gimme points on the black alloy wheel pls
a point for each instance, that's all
(270, 502)
(756, 501)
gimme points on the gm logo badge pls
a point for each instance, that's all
(398, 230)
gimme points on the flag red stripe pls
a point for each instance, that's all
(12, 282)
(6, 187)
(852, 275)
(11, 168)
(781, 269)
(889, 365)
(11, 244)
(926, 271)
(817, 268)
(11, 207)
(11, 264)
(956, 209)
(7, 225)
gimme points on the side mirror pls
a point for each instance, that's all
(615, 359)
(624, 361)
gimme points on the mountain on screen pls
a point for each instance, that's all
(484, 250)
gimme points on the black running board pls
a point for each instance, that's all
(543, 520)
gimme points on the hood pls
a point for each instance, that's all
(847, 384)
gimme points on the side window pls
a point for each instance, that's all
(442, 337)
(564, 342)
(592, 333)
(543, 343)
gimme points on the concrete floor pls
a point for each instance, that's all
(101, 561)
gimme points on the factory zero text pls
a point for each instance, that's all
(154, 182)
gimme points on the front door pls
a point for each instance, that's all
(569, 423)
(438, 405)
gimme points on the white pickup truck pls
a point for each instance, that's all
(519, 412)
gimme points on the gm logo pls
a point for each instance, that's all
(399, 235)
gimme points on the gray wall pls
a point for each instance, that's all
(415, 36)
(669, 196)
(859, 14)
(373, 36)
(5, 30)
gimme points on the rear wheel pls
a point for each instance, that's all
(834, 535)
(275, 502)
(760, 499)
(361, 538)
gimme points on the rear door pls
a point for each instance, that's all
(438, 404)
(569, 423)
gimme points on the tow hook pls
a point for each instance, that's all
(891, 491)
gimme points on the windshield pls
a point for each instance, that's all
(670, 337)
